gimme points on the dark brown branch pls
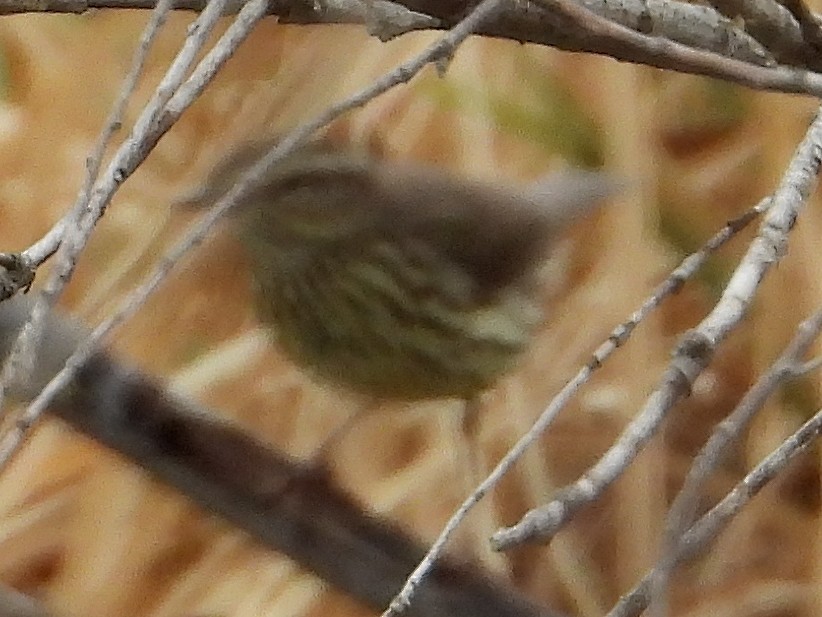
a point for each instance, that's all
(282, 504)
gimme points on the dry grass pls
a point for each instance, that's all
(93, 536)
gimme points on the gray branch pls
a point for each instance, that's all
(693, 353)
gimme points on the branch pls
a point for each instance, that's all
(703, 532)
(772, 25)
(681, 514)
(172, 97)
(622, 43)
(507, 538)
(15, 604)
(23, 267)
(615, 29)
(283, 505)
(693, 352)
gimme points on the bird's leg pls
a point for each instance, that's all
(468, 443)
(471, 466)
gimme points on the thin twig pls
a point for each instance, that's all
(37, 253)
(22, 354)
(701, 534)
(143, 137)
(693, 352)
(507, 538)
(683, 509)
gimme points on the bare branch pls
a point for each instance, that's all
(507, 538)
(393, 18)
(683, 509)
(773, 26)
(280, 502)
(808, 22)
(21, 358)
(693, 352)
(15, 604)
(150, 126)
(565, 25)
(385, 20)
(702, 533)
(697, 26)
(23, 266)
(609, 38)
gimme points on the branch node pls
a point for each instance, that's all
(18, 275)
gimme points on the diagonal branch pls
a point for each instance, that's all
(283, 505)
(683, 509)
(694, 352)
(708, 527)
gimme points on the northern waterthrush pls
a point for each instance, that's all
(396, 280)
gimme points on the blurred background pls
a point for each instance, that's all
(92, 535)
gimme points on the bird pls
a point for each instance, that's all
(397, 280)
